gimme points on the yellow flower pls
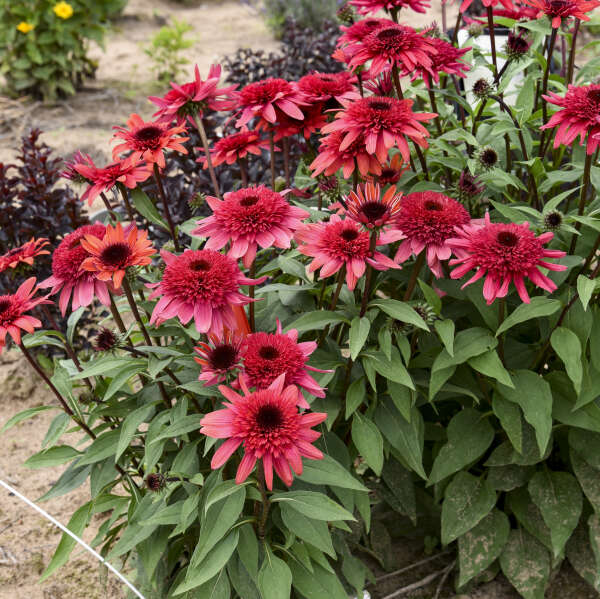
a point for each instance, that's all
(25, 27)
(63, 10)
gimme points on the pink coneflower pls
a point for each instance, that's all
(393, 44)
(503, 253)
(220, 357)
(260, 99)
(383, 122)
(13, 312)
(194, 98)
(267, 356)
(368, 207)
(24, 253)
(328, 87)
(446, 60)
(557, 10)
(270, 428)
(67, 275)
(331, 157)
(578, 117)
(367, 7)
(248, 218)
(340, 243)
(428, 219)
(110, 256)
(148, 140)
(129, 172)
(508, 5)
(392, 170)
(231, 148)
(70, 172)
(314, 119)
(358, 31)
(382, 85)
(203, 285)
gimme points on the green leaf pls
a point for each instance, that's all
(121, 378)
(105, 366)
(567, 346)
(400, 311)
(469, 436)
(72, 478)
(59, 454)
(489, 364)
(355, 395)
(313, 505)
(533, 394)
(528, 515)
(315, 320)
(393, 370)
(359, 331)
(526, 564)
(221, 491)
(130, 425)
(581, 555)
(558, 497)
(467, 344)
(214, 563)
(72, 323)
(433, 299)
(76, 525)
(585, 288)
(445, 329)
(509, 415)
(274, 578)
(540, 306)
(400, 482)
(102, 447)
(318, 584)
(329, 472)
(24, 415)
(180, 427)
(481, 545)
(368, 441)
(144, 205)
(466, 502)
(58, 426)
(588, 477)
(315, 532)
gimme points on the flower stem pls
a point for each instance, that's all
(587, 169)
(135, 311)
(266, 504)
(413, 276)
(545, 89)
(243, 171)
(251, 317)
(456, 27)
(126, 201)
(109, 208)
(571, 67)
(272, 153)
(396, 80)
(422, 160)
(368, 275)
(286, 160)
(438, 124)
(490, 17)
(165, 203)
(211, 169)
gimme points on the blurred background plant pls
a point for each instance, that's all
(44, 44)
(307, 13)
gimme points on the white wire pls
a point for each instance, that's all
(73, 536)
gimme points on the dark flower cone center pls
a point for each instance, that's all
(373, 210)
(200, 265)
(377, 105)
(326, 77)
(115, 254)
(594, 95)
(223, 357)
(269, 418)
(268, 352)
(249, 201)
(349, 234)
(518, 44)
(105, 340)
(4, 305)
(148, 133)
(434, 206)
(554, 219)
(389, 34)
(489, 157)
(507, 239)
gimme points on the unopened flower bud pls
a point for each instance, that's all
(156, 482)
(482, 88)
(553, 220)
(487, 158)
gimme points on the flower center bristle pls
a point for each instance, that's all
(379, 105)
(249, 201)
(594, 95)
(148, 133)
(434, 206)
(268, 352)
(388, 34)
(269, 417)
(349, 234)
(373, 210)
(4, 305)
(223, 357)
(507, 239)
(200, 265)
(115, 254)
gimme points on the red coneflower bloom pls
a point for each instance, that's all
(393, 44)
(508, 5)
(129, 172)
(358, 31)
(382, 85)
(248, 218)
(428, 219)
(383, 122)
(340, 243)
(267, 356)
(314, 119)
(67, 275)
(366, 7)
(270, 428)
(70, 172)
(24, 253)
(446, 60)
(260, 99)
(503, 253)
(147, 140)
(203, 285)
(194, 98)
(325, 87)
(331, 157)
(231, 148)
(13, 308)
(557, 10)
(118, 249)
(578, 117)
(221, 356)
(366, 206)
(392, 170)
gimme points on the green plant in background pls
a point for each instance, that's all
(43, 43)
(306, 13)
(165, 50)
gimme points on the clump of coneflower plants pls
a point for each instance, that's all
(400, 339)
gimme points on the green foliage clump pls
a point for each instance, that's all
(305, 12)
